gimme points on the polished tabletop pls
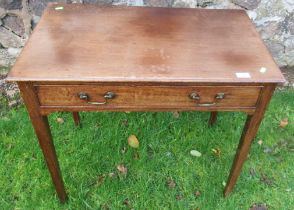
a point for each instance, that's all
(88, 43)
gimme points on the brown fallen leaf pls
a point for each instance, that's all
(133, 141)
(124, 150)
(112, 174)
(252, 172)
(280, 147)
(34, 156)
(284, 122)
(285, 144)
(97, 125)
(136, 156)
(122, 169)
(171, 183)
(125, 122)
(179, 197)
(176, 114)
(60, 120)
(266, 180)
(258, 207)
(197, 194)
(100, 179)
(126, 202)
(105, 206)
(216, 151)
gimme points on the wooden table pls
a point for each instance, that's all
(88, 58)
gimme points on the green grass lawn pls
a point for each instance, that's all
(161, 172)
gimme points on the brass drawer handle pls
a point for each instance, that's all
(220, 96)
(97, 103)
(196, 96)
(108, 95)
(206, 104)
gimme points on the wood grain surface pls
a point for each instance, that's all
(135, 44)
(150, 96)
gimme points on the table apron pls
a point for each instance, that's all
(146, 98)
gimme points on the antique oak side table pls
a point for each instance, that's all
(89, 58)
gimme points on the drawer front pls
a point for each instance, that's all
(147, 96)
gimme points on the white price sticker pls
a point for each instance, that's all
(262, 70)
(58, 8)
(243, 75)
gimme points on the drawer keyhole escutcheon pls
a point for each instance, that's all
(107, 96)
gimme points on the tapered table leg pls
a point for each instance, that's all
(212, 118)
(249, 132)
(76, 118)
(42, 129)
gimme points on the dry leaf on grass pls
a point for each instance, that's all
(112, 174)
(176, 114)
(105, 206)
(122, 169)
(97, 125)
(258, 207)
(179, 197)
(133, 141)
(284, 122)
(260, 142)
(216, 151)
(280, 147)
(60, 120)
(252, 172)
(285, 144)
(197, 194)
(266, 180)
(124, 150)
(100, 179)
(126, 202)
(171, 183)
(125, 122)
(195, 153)
(136, 156)
(34, 157)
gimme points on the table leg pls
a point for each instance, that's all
(249, 132)
(42, 129)
(212, 118)
(76, 118)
